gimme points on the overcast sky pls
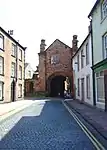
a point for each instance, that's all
(33, 20)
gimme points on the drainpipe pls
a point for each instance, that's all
(93, 73)
(24, 92)
(16, 72)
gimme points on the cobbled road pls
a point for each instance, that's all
(46, 125)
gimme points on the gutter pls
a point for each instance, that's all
(93, 74)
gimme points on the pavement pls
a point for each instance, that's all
(94, 116)
(8, 109)
(45, 125)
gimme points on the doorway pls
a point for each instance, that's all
(82, 89)
(57, 86)
(13, 88)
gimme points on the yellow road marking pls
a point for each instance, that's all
(95, 142)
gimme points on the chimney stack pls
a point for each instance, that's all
(74, 43)
(42, 45)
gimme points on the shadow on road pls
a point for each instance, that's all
(52, 129)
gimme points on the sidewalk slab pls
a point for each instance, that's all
(96, 117)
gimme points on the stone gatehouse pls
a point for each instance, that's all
(55, 68)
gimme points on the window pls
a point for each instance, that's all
(20, 72)
(1, 65)
(82, 59)
(78, 62)
(13, 69)
(1, 42)
(55, 59)
(20, 54)
(88, 86)
(1, 90)
(13, 50)
(78, 87)
(87, 54)
(104, 9)
(20, 90)
(100, 86)
(105, 46)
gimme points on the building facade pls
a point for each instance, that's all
(55, 67)
(28, 71)
(98, 16)
(12, 58)
(82, 72)
(29, 82)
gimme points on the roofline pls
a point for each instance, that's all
(8, 35)
(96, 3)
(59, 41)
(81, 45)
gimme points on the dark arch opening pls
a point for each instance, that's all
(57, 86)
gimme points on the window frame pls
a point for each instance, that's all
(99, 76)
(87, 54)
(20, 58)
(20, 73)
(2, 84)
(55, 59)
(104, 45)
(13, 63)
(78, 64)
(2, 65)
(88, 86)
(3, 42)
(14, 55)
(20, 96)
(103, 16)
(82, 59)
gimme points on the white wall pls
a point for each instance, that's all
(27, 69)
(83, 72)
(99, 29)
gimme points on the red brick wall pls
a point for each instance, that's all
(46, 69)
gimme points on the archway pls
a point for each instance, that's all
(57, 86)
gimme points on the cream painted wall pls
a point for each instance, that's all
(99, 29)
(83, 72)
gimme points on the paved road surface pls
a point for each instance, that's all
(43, 126)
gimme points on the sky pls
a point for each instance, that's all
(33, 20)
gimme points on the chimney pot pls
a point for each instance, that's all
(42, 45)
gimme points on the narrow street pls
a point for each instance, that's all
(46, 125)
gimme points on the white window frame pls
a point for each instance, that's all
(1, 65)
(13, 67)
(97, 75)
(1, 91)
(20, 54)
(88, 86)
(104, 9)
(20, 72)
(1, 41)
(13, 49)
(20, 91)
(104, 42)
(55, 59)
